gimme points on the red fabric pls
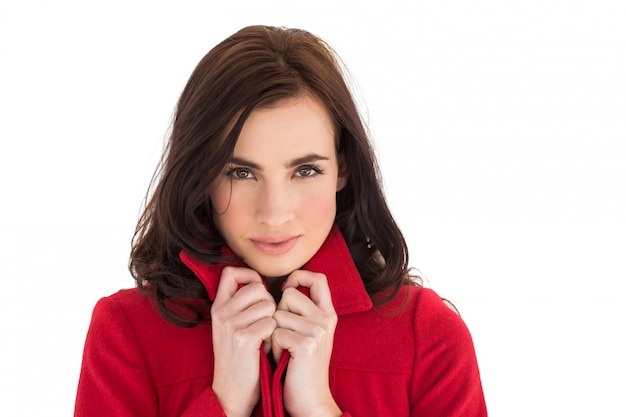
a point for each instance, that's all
(412, 357)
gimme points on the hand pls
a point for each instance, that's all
(242, 320)
(306, 328)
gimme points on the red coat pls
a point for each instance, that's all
(412, 357)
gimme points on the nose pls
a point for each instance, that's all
(275, 204)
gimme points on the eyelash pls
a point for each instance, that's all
(315, 171)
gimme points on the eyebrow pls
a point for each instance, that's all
(312, 157)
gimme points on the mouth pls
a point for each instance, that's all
(274, 245)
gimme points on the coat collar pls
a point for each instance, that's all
(332, 259)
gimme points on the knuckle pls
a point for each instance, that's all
(250, 336)
(290, 292)
(319, 276)
(268, 307)
(271, 325)
(298, 272)
(309, 346)
(316, 276)
(241, 338)
(229, 325)
(329, 321)
(279, 316)
(228, 270)
(317, 332)
(287, 291)
(252, 288)
(216, 313)
(309, 274)
(226, 326)
(247, 337)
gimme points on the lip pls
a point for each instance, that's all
(274, 245)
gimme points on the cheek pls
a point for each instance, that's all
(220, 197)
(227, 210)
(228, 200)
(319, 205)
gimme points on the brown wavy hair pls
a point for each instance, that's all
(256, 67)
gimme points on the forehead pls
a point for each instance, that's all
(298, 124)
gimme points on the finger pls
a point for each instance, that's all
(249, 304)
(297, 344)
(242, 319)
(254, 335)
(243, 299)
(277, 350)
(231, 279)
(250, 294)
(294, 301)
(305, 326)
(318, 285)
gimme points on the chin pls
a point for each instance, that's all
(275, 272)
(277, 268)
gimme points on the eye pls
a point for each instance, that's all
(308, 171)
(240, 174)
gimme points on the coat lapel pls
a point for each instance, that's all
(332, 259)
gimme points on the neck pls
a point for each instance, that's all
(275, 284)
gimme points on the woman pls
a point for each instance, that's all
(271, 277)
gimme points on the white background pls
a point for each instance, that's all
(501, 132)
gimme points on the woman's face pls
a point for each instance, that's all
(274, 202)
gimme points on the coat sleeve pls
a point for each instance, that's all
(446, 379)
(115, 379)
